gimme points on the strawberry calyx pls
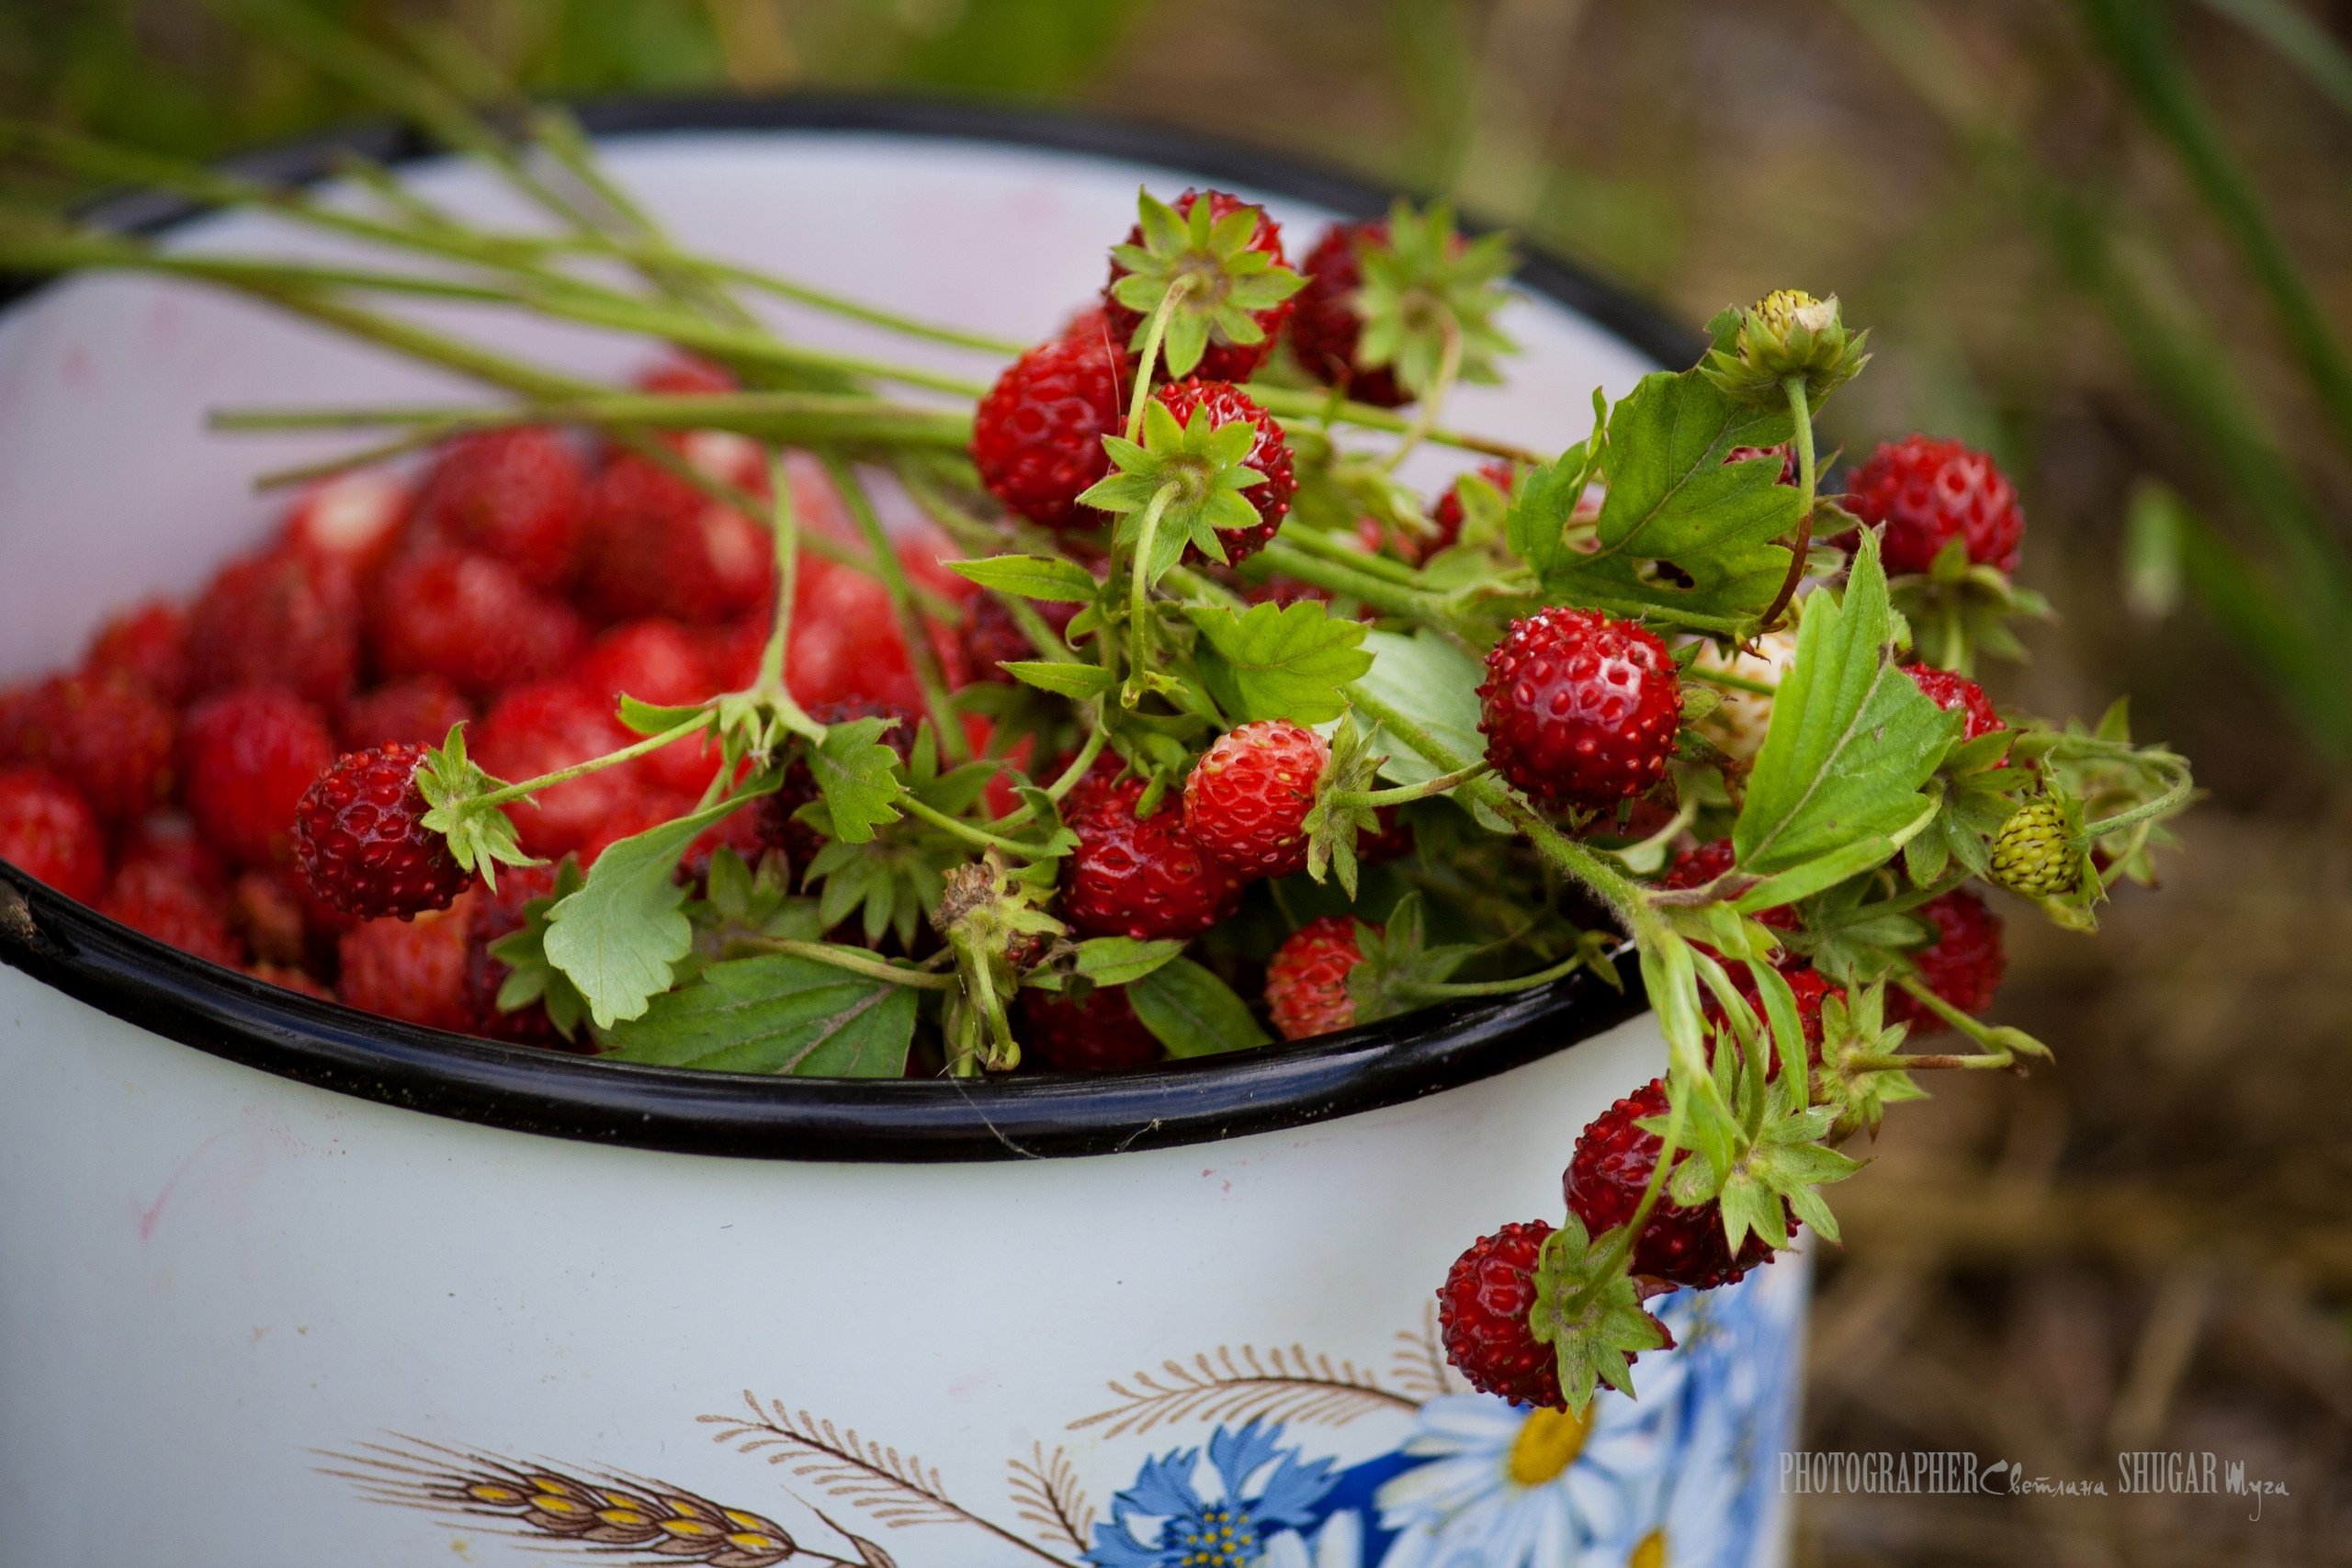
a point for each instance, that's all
(1429, 301)
(1230, 281)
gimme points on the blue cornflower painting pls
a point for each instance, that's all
(1166, 1520)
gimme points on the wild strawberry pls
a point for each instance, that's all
(1955, 692)
(169, 836)
(1963, 966)
(658, 545)
(1268, 454)
(845, 643)
(1324, 326)
(519, 496)
(1742, 718)
(1928, 493)
(246, 755)
(1099, 1034)
(2035, 854)
(991, 639)
(1697, 866)
(470, 619)
(1483, 1312)
(1037, 436)
(49, 832)
(281, 617)
(351, 522)
(686, 375)
(418, 709)
(161, 899)
(1306, 979)
(497, 916)
(266, 909)
(105, 732)
(1136, 876)
(1579, 710)
(411, 970)
(1447, 516)
(1224, 360)
(1682, 1245)
(360, 839)
(148, 644)
(1246, 800)
(549, 724)
(662, 663)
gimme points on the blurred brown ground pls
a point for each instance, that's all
(2145, 1246)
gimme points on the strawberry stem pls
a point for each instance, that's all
(1346, 578)
(629, 754)
(968, 832)
(1154, 335)
(1422, 791)
(1139, 587)
(1292, 403)
(1800, 410)
(785, 526)
(1449, 367)
(912, 629)
(857, 961)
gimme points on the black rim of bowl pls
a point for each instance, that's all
(141, 981)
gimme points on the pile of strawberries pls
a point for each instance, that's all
(516, 584)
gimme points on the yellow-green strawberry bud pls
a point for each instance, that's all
(1788, 334)
(2035, 854)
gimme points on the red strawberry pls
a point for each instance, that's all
(658, 545)
(1697, 866)
(1324, 326)
(1579, 710)
(1682, 1245)
(1393, 838)
(281, 617)
(150, 644)
(360, 839)
(1246, 800)
(246, 755)
(1306, 979)
(105, 732)
(1135, 877)
(686, 375)
(1963, 965)
(1099, 1034)
(1955, 692)
(1928, 493)
(1268, 455)
(168, 836)
(49, 832)
(1483, 1310)
(351, 522)
(845, 643)
(1037, 436)
(1223, 361)
(472, 621)
(411, 970)
(162, 900)
(418, 709)
(992, 638)
(1447, 516)
(1810, 990)
(549, 724)
(662, 663)
(497, 916)
(520, 496)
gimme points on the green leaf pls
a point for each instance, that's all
(1193, 1013)
(651, 718)
(1541, 505)
(1077, 681)
(1852, 741)
(1122, 960)
(530, 977)
(620, 937)
(1279, 661)
(775, 1014)
(1435, 684)
(857, 776)
(1031, 577)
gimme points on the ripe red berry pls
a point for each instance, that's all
(519, 496)
(1963, 965)
(992, 638)
(168, 836)
(1809, 989)
(661, 663)
(1223, 361)
(1306, 979)
(246, 755)
(411, 970)
(1268, 455)
(1037, 436)
(497, 916)
(1246, 800)
(549, 724)
(150, 644)
(360, 839)
(104, 731)
(1697, 866)
(50, 833)
(1955, 692)
(1136, 876)
(282, 617)
(846, 642)
(1483, 1310)
(658, 545)
(161, 899)
(1680, 1245)
(418, 709)
(1447, 516)
(351, 522)
(470, 619)
(1324, 326)
(1099, 1034)
(1391, 839)
(1928, 493)
(1579, 710)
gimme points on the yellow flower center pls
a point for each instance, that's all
(1547, 1444)
(1649, 1552)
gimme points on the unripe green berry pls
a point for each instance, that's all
(2035, 854)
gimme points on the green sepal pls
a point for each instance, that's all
(1335, 821)
(1422, 283)
(530, 976)
(1203, 464)
(857, 776)
(481, 838)
(1591, 1314)
(1397, 961)
(1228, 284)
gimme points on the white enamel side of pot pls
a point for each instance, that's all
(249, 1322)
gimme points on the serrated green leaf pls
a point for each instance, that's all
(1122, 960)
(1852, 741)
(1031, 577)
(1279, 661)
(1193, 1013)
(1545, 497)
(856, 774)
(1434, 684)
(1079, 682)
(652, 718)
(776, 1014)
